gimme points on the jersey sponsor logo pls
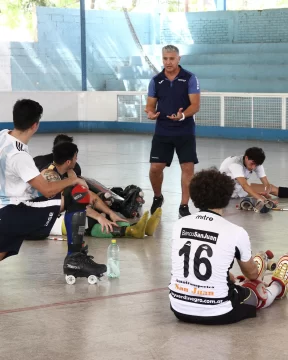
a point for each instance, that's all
(204, 217)
(197, 299)
(183, 80)
(194, 291)
(200, 235)
(19, 146)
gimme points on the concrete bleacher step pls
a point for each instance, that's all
(240, 71)
(251, 48)
(253, 71)
(221, 84)
(235, 59)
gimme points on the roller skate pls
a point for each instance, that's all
(280, 275)
(264, 262)
(81, 265)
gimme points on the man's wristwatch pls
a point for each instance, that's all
(183, 117)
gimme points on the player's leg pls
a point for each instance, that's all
(3, 255)
(135, 231)
(281, 192)
(161, 155)
(277, 288)
(187, 155)
(34, 219)
(77, 262)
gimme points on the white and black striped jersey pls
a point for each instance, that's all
(16, 169)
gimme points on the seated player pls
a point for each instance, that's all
(65, 157)
(43, 161)
(20, 184)
(204, 248)
(127, 201)
(241, 168)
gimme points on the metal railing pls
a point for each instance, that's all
(268, 111)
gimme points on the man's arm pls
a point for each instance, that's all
(105, 223)
(24, 167)
(49, 189)
(151, 102)
(100, 205)
(249, 269)
(151, 108)
(194, 107)
(246, 187)
(243, 255)
(194, 97)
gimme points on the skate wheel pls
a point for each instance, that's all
(92, 279)
(269, 254)
(271, 266)
(70, 279)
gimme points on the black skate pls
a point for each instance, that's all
(81, 265)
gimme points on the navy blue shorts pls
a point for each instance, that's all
(163, 147)
(22, 222)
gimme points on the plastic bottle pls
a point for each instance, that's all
(113, 261)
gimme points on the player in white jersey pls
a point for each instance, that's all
(23, 215)
(241, 168)
(204, 248)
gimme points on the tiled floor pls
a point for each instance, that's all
(41, 317)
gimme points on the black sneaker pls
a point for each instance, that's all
(183, 211)
(157, 203)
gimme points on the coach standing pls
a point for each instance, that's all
(173, 99)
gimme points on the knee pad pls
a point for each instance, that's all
(259, 290)
(75, 227)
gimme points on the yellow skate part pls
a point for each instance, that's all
(280, 274)
(138, 230)
(63, 228)
(153, 222)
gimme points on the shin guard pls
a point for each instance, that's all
(259, 289)
(75, 227)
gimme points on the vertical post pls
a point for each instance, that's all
(252, 111)
(83, 45)
(222, 110)
(220, 5)
(284, 112)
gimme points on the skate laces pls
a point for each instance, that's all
(282, 272)
(88, 259)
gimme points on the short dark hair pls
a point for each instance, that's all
(26, 113)
(256, 154)
(62, 138)
(63, 152)
(211, 189)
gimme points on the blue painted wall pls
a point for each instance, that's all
(229, 51)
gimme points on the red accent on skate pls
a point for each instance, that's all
(269, 254)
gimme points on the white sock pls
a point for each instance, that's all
(273, 291)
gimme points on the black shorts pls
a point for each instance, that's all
(22, 222)
(163, 147)
(242, 309)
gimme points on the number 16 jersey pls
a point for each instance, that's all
(204, 247)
